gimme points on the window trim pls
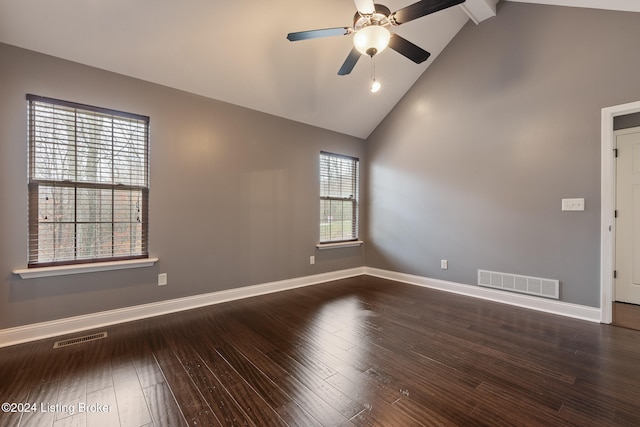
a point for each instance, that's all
(355, 200)
(89, 267)
(35, 183)
(92, 108)
(338, 245)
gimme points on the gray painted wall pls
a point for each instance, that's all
(470, 167)
(233, 193)
(472, 164)
(626, 121)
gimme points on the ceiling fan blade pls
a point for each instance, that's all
(407, 49)
(350, 62)
(365, 7)
(314, 34)
(420, 9)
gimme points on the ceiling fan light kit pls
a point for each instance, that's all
(372, 33)
(371, 40)
(371, 25)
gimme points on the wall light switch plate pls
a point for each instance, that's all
(444, 264)
(572, 204)
(312, 260)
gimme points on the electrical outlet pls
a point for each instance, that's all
(444, 264)
(162, 279)
(312, 260)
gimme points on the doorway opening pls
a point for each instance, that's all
(607, 205)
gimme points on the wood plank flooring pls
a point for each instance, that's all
(356, 352)
(626, 315)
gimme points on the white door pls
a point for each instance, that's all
(627, 282)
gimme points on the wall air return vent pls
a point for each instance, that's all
(548, 288)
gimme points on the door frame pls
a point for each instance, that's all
(607, 205)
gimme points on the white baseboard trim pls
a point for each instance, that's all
(75, 324)
(37, 331)
(525, 301)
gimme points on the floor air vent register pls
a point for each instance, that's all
(80, 340)
(548, 288)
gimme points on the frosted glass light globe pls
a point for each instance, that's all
(371, 40)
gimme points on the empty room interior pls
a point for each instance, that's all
(319, 213)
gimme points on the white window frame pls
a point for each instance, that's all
(73, 259)
(348, 179)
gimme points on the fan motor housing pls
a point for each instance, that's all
(380, 17)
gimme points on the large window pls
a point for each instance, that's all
(88, 183)
(339, 184)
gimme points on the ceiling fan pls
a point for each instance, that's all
(371, 30)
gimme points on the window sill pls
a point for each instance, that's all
(62, 270)
(323, 246)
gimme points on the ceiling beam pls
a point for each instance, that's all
(479, 10)
(622, 5)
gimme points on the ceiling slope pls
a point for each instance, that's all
(234, 51)
(237, 51)
(621, 5)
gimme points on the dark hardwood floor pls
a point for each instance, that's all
(361, 351)
(626, 315)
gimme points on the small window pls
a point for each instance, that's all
(339, 196)
(88, 183)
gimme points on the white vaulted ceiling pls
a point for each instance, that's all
(236, 50)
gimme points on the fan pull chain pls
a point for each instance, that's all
(375, 86)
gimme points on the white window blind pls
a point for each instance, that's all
(88, 183)
(339, 198)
